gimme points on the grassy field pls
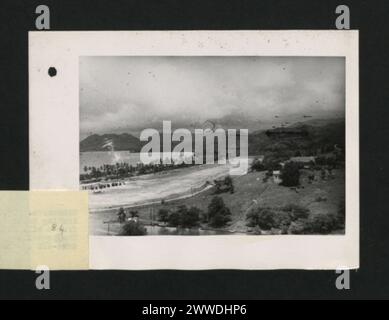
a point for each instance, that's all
(321, 196)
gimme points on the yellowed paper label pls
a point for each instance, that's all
(44, 228)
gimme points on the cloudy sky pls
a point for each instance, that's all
(129, 94)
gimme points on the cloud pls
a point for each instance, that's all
(128, 94)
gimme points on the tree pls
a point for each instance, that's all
(290, 217)
(163, 215)
(322, 223)
(174, 219)
(218, 213)
(272, 161)
(300, 226)
(182, 217)
(134, 214)
(257, 165)
(229, 184)
(218, 186)
(290, 174)
(191, 218)
(261, 217)
(121, 215)
(224, 185)
(133, 228)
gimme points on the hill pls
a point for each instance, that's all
(303, 138)
(107, 142)
(320, 197)
(310, 137)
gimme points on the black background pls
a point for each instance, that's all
(369, 17)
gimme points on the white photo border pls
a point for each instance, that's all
(54, 144)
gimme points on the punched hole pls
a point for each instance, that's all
(52, 72)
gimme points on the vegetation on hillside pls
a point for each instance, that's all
(133, 228)
(224, 185)
(290, 174)
(304, 203)
(292, 219)
(218, 213)
(182, 217)
(317, 140)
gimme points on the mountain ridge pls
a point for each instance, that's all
(110, 142)
(320, 133)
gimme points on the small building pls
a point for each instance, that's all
(277, 176)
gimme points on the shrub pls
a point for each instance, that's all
(261, 217)
(300, 226)
(322, 223)
(183, 217)
(228, 180)
(191, 218)
(257, 230)
(204, 217)
(296, 212)
(290, 174)
(257, 165)
(218, 213)
(229, 184)
(134, 214)
(282, 220)
(315, 224)
(225, 185)
(174, 219)
(163, 215)
(272, 164)
(133, 228)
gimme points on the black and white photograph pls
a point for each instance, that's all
(196, 150)
(159, 136)
(200, 152)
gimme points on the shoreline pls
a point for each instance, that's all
(152, 189)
